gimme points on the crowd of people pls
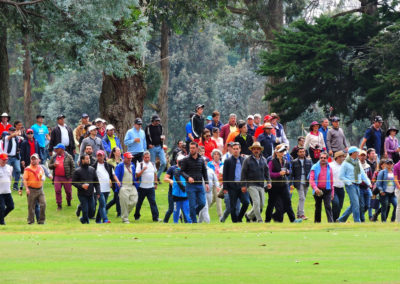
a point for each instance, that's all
(239, 163)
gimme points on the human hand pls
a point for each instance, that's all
(244, 189)
(137, 140)
(190, 180)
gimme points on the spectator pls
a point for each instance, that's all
(229, 127)
(5, 125)
(267, 140)
(217, 139)
(216, 165)
(155, 140)
(279, 131)
(301, 167)
(41, 134)
(135, 140)
(315, 142)
(338, 185)
(214, 186)
(215, 122)
(374, 138)
(321, 181)
(179, 149)
(62, 133)
(244, 139)
(29, 147)
(257, 119)
(146, 173)
(371, 159)
(111, 140)
(12, 147)
(208, 144)
(6, 200)
(396, 171)
(365, 191)
(198, 122)
(179, 194)
(335, 139)
(114, 160)
(392, 144)
(33, 182)
(386, 185)
(300, 144)
(80, 130)
(189, 133)
(251, 127)
(260, 128)
(169, 177)
(324, 128)
(86, 181)
(92, 140)
(101, 128)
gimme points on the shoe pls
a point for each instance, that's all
(247, 218)
(41, 223)
(137, 218)
(298, 220)
(59, 207)
(374, 218)
(303, 217)
(107, 221)
(69, 202)
(125, 222)
(157, 220)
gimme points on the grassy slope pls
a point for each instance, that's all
(144, 252)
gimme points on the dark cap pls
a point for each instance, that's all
(199, 106)
(39, 115)
(138, 121)
(155, 118)
(60, 116)
(335, 119)
(389, 161)
(12, 128)
(84, 115)
(378, 118)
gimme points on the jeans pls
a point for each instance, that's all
(385, 201)
(102, 212)
(184, 206)
(365, 198)
(353, 192)
(87, 205)
(228, 208)
(197, 199)
(337, 202)
(236, 195)
(158, 151)
(16, 164)
(151, 197)
(115, 201)
(170, 207)
(6, 206)
(44, 154)
(326, 197)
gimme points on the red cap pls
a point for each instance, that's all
(3, 156)
(267, 118)
(128, 155)
(29, 130)
(100, 152)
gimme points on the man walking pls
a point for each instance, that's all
(155, 140)
(374, 137)
(128, 195)
(62, 133)
(86, 181)
(41, 135)
(135, 140)
(29, 147)
(194, 170)
(63, 166)
(146, 172)
(255, 172)
(352, 175)
(92, 140)
(301, 167)
(335, 139)
(321, 181)
(6, 200)
(232, 183)
(338, 185)
(110, 140)
(33, 181)
(12, 147)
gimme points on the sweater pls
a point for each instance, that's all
(336, 141)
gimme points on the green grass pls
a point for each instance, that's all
(63, 250)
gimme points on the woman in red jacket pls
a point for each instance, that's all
(207, 143)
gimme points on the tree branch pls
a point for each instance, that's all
(17, 4)
(347, 12)
(238, 11)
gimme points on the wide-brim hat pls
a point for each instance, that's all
(256, 145)
(4, 114)
(314, 123)
(390, 129)
(338, 154)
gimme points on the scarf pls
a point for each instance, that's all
(356, 165)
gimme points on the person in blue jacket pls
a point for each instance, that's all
(386, 185)
(110, 140)
(179, 194)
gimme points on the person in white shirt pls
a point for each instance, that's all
(63, 134)
(213, 185)
(337, 202)
(146, 173)
(12, 144)
(6, 200)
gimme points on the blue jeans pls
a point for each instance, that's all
(197, 199)
(365, 198)
(184, 206)
(385, 200)
(16, 164)
(228, 207)
(236, 195)
(170, 207)
(353, 191)
(151, 197)
(102, 212)
(87, 205)
(44, 154)
(158, 151)
(6, 206)
(337, 202)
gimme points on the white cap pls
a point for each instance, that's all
(257, 115)
(110, 127)
(99, 120)
(250, 117)
(92, 127)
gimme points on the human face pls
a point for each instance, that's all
(377, 124)
(138, 126)
(354, 155)
(19, 126)
(207, 136)
(216, 118)
(180, 144)
(127, 161)
(30, 135)
(389, 166)
(274, 120)
(323, 160)
(301, 153)
(85, 120)
(60, 121)
(315, 128)
(200, 111)
(372, 156)
(110, 132)
(100, 158)
(335, 124)
(93, 132)
(392, 133)
(236, 150)
(60, 152)
(250, 121)
(146, 158)
(4, 119)
(86, 160)
(301, 142)
(325, 123)
(340, 159)
(243, 130)
(280, 154)
(267, 130)
(39, 120)
(193, 150)
(216, 157)
(232, 120)
(257, 120)
(89, 150)
(117, 152)
(256, 152)
(34, 161)
(216, 134)
(3, 162)
(362, 158)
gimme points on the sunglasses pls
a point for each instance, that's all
(29, 133)
(323, 158)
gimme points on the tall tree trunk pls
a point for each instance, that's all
(27, 71)
(164, 67)
(121, 101)
(4, 73)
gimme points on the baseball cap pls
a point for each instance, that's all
(199, 106)
(257, 115)
(138, 121)
(60, 116)
(268, 125)
(84, 115)
(267, 117)
(3, 156)
(110, 127)
(250, 117)
(209, 117)
(92, 127)
(35, 155)
(29, 131)
(335, 119)
(40, 115)
(98, 120)
(59, 146)
(378, 118)
(353, 149)
(363, 152)
(12, 128)
(155, 118)
(128, 155)
(100, 152)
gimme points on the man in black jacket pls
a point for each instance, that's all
(231, 177)
(300, 169)
(62, 133)
(26, 149)
(255, 172)
(86, 181)
(194, 171)
(198, 123)
(244, 139)
(155, 140)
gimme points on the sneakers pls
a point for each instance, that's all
(157, 220)
(247, 218)
(59, 207)
(299, 220)
(106, 221)
(69, 202)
